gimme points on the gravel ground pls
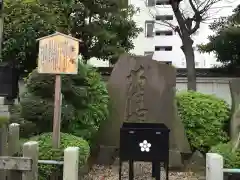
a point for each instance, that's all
(142, 171)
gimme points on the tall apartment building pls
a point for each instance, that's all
(161, 41)
(158, 38)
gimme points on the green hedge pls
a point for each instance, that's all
(204, 117)
(46, 152)
(231, 159)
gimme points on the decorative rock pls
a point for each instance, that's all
(106, 155)
(175, 160)
(197, 162)
(143, 90)
(235, 120)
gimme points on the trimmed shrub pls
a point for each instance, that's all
(231, 159)
(46, 152)
(84, 103)
(204, 117)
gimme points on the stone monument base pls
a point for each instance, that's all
(175, 160)
(106, 155)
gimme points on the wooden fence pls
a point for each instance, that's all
(13, 167)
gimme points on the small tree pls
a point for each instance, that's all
(188, 24)
(105, 28)
(225, 43)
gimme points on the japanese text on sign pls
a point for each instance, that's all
(58, 55)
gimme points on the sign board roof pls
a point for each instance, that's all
(58, 54)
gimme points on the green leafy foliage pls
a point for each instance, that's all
(204, 117)
(225, 43)
(24, 22)
(106, 29)
(46, 152)
(231, 158)
(84, 102)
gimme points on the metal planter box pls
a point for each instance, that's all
(145, 142)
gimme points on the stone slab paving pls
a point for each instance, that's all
(142, 171)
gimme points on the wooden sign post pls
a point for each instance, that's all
(58, 54)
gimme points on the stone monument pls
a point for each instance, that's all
(235, 119)
(143, 90)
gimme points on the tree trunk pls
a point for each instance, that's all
(190, 61)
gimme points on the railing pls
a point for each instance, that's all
(215, 169)
(26, 167)
(51, 162)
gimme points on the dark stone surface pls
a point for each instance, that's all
(197, 163)
(143, 90)
(83, 171)
(106, 155)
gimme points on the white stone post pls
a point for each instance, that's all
(214, 166)
(30, 149)
(71, 161)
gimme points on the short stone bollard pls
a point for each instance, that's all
(71, 161)
(30, 149)
(214, 166)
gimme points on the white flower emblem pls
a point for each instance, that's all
(145, 146)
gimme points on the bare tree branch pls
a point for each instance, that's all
(179, 16)
(194, 8)
(187, 25)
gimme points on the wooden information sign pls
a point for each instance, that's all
(58, 54)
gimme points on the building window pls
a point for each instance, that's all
(164, 17)
(162, 2)
(163, 48)
(183, 63)
(149, 25)
(150, 3)
(148, 53)
(163, 33)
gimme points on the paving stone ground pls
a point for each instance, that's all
(142, 171)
